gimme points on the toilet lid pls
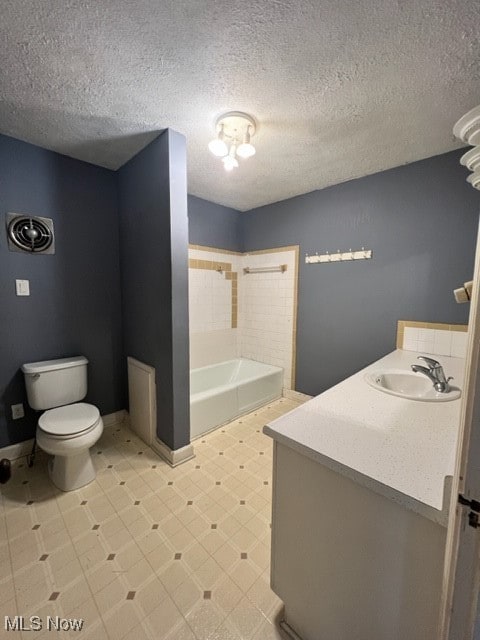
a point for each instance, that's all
(69, 420)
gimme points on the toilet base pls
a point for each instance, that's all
(72, 472)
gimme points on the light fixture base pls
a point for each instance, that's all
(235, 124)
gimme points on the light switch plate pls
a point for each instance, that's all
(22, 287)
(17, 411)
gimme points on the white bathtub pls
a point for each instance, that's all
(221, 392)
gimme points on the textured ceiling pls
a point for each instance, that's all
(340, 88)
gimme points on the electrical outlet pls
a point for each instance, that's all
(17, 411)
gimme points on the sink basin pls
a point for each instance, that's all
(410, 385)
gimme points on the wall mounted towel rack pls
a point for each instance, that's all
(339, 256)
(269, 269)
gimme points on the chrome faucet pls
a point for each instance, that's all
(434, 372)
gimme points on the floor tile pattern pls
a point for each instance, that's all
(146, 551)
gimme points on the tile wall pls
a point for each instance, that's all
(210, 301)
(213, 307)
(233, 314)
(434, 338)
(267, 311)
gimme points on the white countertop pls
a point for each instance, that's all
(402, 449)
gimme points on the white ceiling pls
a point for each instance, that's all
(340, 88)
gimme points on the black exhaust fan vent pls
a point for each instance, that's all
(30, 234)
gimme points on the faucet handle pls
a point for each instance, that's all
(429, 361)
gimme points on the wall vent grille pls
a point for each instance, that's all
(30, 234)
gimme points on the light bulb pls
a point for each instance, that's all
(229, 163)
(218, 146)
(246, 150)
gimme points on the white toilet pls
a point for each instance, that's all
(69, 428)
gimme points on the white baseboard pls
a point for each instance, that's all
(174, 457)
(24, 448)
(296, 395)
(114, 418)
(17, 450)
(288, 631)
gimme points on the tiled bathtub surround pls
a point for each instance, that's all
(210, 298)
(267, 315)
(146, 550)
(212, 295)
(434, 338)
(262, 321)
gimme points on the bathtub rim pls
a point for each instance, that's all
(207, 393)
(272, 367)
(267, 371)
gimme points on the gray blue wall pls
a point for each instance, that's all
(213, 225)
(420, 220)
(74, 306)
(154, 264)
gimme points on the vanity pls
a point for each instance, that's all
(361, 488)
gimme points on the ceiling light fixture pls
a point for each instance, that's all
(234, 130)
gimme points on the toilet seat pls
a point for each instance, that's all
(70, 420)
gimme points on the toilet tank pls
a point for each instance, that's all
(53, 383)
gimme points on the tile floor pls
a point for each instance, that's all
(146, 551)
